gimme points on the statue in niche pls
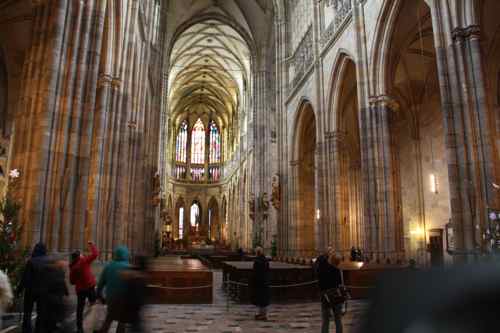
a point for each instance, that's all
(251, 206)
(264, 204)
(276, 191)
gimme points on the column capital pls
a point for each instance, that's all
(469, 32)
(385, 100)
(104, 80)
(338, 136)
(116, 82)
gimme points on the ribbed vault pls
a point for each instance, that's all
(209, 71)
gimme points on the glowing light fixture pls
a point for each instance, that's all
(417, 232)
(318, 214)
(433, 183)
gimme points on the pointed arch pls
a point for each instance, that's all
(181, 142)
(215, 143)
(198, 143)
(337, 77)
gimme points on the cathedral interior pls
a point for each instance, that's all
(294, 125)
(222, 125)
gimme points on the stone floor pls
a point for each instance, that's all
(217, 318)
(225, 316)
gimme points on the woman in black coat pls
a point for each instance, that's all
(261, 293)
(329, 277)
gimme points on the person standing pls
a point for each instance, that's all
(135, 281)
(261, 293)
(5, 294)
(115, 287)
(52, 306)
(329, 279)
(31, 285)
(83, 279)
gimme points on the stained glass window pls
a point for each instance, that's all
(214, 143)
(214, 173)
(181, 143)
(198, 143)
(197, 173)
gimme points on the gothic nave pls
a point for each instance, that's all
(236, 123)
(172, 126)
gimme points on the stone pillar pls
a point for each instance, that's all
(260, 142)
(469, 141)
(283, 219)
(335, 141)
(321, 225)
(293, 227)
(378, 179)
(480, 136)
(56, 120)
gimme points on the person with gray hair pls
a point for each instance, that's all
(261, 293)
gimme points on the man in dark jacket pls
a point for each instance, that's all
(52, 306)
(31, 285)
(329, 277)
(261, 293)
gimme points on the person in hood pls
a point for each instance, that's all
(5, 294)
(83, 279)
(32, 285)
(115, 288)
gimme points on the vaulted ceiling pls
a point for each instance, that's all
(212, 44)
(209, 68)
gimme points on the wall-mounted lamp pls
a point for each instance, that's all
(318, 214)
(418, 232)
(433, 183)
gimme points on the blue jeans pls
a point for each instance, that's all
(326, 314)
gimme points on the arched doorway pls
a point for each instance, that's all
(179, 227)
(348, 191)
(214, 225)
(305, 191)
(197, 231)
(420, 167)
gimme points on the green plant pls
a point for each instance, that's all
(11, 254)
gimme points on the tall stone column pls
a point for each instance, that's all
(322, 223)
(260, 150)
(55, 120)
(335, 141)
(283, 219)
(293, 227)
(483, 152)
(470, 144)
(378, 178)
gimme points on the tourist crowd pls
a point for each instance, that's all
(43, 286)
(122, 287)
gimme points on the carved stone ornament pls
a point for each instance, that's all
(276, 192)
(251, 206)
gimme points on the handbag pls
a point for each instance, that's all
(336, 296)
